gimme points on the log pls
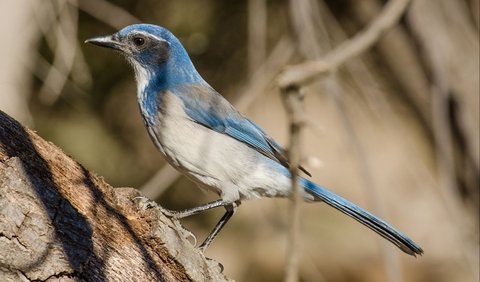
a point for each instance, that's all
(58, 221)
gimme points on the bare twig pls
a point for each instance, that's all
(160, 181)
(305, 32)
(400, 55)
(257, 34)
(15, 83)
(475, 10)
(43, 67)
(264, 74)
(107, 12)
(293, 102)
(64, 46)
(446, 166)
(452, 57)
(309, 71)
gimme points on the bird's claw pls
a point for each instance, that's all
(144, 202)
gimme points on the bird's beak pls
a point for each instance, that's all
(105, 41)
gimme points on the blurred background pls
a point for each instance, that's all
(395, 130)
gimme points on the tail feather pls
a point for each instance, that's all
(366, 218)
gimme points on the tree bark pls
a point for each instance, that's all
(58, 221)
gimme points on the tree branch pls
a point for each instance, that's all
(309, 71)
(293, 102)
(58, 220)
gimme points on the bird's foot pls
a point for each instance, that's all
(145, 203)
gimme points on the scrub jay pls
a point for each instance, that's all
(203, 136)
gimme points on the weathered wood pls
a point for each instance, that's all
(58, 221)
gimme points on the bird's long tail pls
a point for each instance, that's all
(366, 218)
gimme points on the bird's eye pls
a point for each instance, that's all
(138, 41)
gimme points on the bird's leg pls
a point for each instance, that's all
(231, 208)
(195, 210)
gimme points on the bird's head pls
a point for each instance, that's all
(155, 53)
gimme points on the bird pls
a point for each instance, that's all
(204, 137)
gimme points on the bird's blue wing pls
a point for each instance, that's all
(205, 106)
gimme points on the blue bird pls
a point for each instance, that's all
(203, 136)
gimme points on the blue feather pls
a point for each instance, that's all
(366, 218)
(205, 106)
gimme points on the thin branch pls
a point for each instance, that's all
(160, 181)
(264, 74)
(293, 102)
(63, 43)
(309, 71)
(106, 12)
(445, 162)
(257, 34)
